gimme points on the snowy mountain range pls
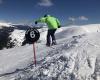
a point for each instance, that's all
(75, 57)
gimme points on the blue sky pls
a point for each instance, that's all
(76, 11)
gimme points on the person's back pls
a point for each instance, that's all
(51, 22)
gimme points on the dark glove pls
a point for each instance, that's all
(36, 22)
(59, 26)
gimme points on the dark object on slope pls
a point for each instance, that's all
(5, 38)
(59, 26)
(32, 35)
(36, 22)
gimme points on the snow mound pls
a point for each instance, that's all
(91, 28)
(17, 37)
(75, 59)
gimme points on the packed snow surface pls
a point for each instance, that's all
(75, 57)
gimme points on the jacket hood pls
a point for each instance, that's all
(46, 15)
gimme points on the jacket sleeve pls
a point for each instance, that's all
(58, 22)
(41, 20)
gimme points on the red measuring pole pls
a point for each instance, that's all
(34, 51)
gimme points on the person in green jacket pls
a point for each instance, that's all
(53, 24)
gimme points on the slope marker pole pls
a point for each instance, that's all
(34, 51)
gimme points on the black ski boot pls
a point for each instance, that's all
(54, 42)
(48, 45)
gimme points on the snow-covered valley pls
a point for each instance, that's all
(75, 57)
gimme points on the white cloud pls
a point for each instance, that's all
(1, 1)
(83, 18)
(46, 3)
(72, 18)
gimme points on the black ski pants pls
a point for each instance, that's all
(51, 36)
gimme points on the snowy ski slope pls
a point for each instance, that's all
(76, 57)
